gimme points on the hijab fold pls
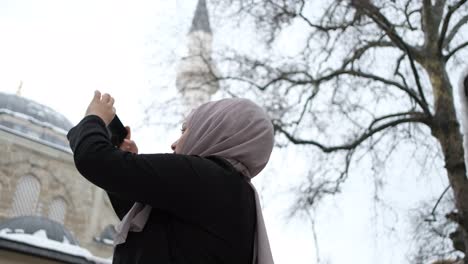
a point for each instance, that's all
(237, 130)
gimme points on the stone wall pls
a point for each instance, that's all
(88, 210)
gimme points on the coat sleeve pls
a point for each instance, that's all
(121, 206)
(188, 186)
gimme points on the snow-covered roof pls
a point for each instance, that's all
(32, 225)
(34, 121)
(45, 238)
(37, 112)
(36, 138)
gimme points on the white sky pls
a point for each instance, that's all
(63, 50)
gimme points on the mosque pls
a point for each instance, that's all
(48, 212)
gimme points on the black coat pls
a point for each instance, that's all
(203, 209)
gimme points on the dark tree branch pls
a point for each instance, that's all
(397, 69)
(358, 52)
(408, 15)
(315, 191)
(373, 12)
(455, 50)
(301, 15)
(463, 21)
(326, 29)
(427, 16)
(367, 134)
(403, 88)
(450, 12)
(306, 105)
(432, 16)
(409, 113)
(288, 77)
(437, 204)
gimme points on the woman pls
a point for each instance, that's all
(194, 206)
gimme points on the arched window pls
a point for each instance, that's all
(57, 210)
(26, 196)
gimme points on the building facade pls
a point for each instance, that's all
(38, 180)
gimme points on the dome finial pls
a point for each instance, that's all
(20, 88)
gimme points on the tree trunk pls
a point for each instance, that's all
(446, 128)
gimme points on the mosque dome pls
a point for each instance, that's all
(14, 104)
(38, 226)
(33, 120)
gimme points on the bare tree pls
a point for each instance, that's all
(371, 76)
(431, 231)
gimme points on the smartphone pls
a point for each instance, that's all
(117, 131)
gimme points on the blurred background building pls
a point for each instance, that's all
(48, 212)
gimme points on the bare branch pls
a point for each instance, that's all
(316, 189)
(427, 16)
(306, 105)
(419, 118)
(358, 52)
(397, 69)
(437, 204)
(409, 113)
(455, 50)
(450, 12)
(374, 13)
(463, 21)
(405, 89)
(408, 15)
(300, 14)
(304, 78)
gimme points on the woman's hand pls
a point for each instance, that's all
(102, 107)
(128, 144)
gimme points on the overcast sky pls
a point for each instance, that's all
(63, 50)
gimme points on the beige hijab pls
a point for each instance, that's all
(237, 130)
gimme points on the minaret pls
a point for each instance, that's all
(195, 76)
